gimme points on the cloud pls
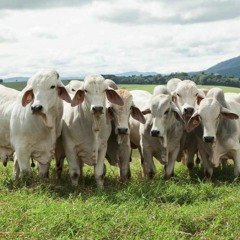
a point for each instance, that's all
(7, 35)
(41, 4)
(171, 12)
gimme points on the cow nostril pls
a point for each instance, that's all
(122, 130)
(155, 133)
(188, 110)
(97, 109)
(208, 139)
(37, 108)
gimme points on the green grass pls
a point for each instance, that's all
(184, 207)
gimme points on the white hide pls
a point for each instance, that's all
(7, 99)
(86, 127)
(35, 122)
(160, 136)
(119, 149)
(172, 84)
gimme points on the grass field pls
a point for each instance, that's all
(185, 207)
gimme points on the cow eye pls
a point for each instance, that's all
(178, 95)
(167, 111)
(52, 87)
(73, 90)
(85, 91)
(196, 95)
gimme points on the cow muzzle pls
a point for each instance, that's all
(37, 108)
(155, 133)
(122, 131)
(208, 139)
(97, 109)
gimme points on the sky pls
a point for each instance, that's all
(79, 37)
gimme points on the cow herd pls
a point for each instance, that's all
(89, 121)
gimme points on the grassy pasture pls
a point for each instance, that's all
(184, 207)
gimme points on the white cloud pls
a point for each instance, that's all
(117, 36)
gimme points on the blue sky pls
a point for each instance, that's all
(113, 36)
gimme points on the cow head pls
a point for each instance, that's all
(93, 93)
(186, 96)
(163, 111)
(209, 114)
(43, 90)
(121, 114)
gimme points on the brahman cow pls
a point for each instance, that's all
(7, 100)
(119, 149)
(186, 96)
(221, 130)
(35, 121)
(160, 136)
(86, 127)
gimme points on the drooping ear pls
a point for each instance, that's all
(113, 97)
(226, 113)
(177, 113)
(78, 98)
(63, 94)
(146, 111)
(200, 96)
(137, 114)
(193, 122)
(27, 97)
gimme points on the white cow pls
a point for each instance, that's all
(160, 136)
(186, 96)
(119, 149)
(7, 99)
(221, 129)
(86, 127)
(35, 121)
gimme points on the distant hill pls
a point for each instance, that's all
(230, 67)
(135, 73)
(16, 79)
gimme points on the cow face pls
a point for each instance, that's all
(209, 114)
(121, 114)
(42, 91)
(186, 96)
(94, 93)
(163, 110)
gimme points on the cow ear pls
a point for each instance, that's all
(226, 113)
(27, 97)
(193, 122)
(177, 113)
(137, 114)
(146, 111)
(200, 96)
(113, 97)
(78, 98)
(63, 94)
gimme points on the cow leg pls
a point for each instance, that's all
(169, 169)
(99, 166)
(16, 169)
(208, 168)
(149, 169)
(73, 164)
(124, 165)
(236, 159)
(23, 163)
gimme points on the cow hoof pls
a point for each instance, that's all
(151, 174)
(190, 165)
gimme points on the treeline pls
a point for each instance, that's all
(199, 78)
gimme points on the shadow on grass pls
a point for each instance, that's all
(183, 189)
